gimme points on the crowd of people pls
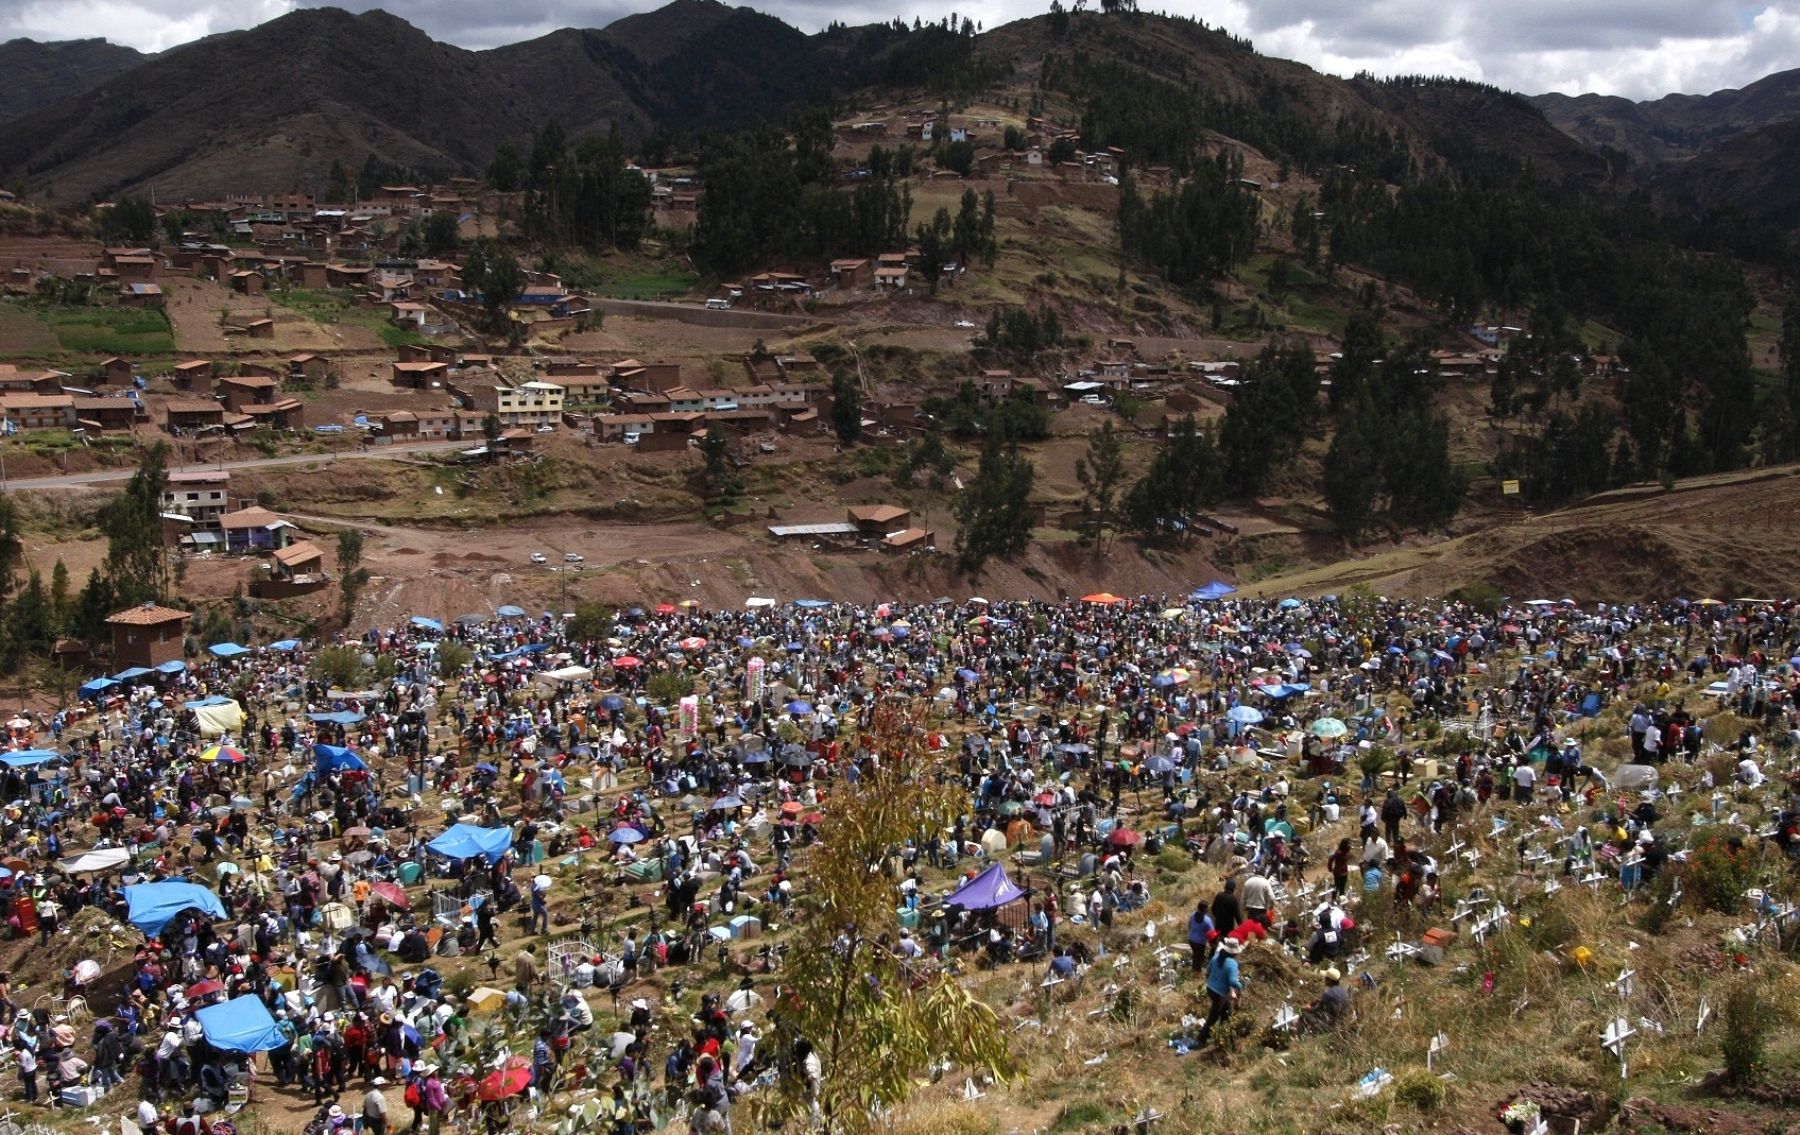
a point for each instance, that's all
(579, 814)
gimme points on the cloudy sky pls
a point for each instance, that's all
(1635, 48)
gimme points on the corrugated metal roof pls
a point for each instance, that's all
(829, 528)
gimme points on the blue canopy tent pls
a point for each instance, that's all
(339, 717)
(423, 623)
(130, 673)
(812, 604)
(986, 891)
(172, 666)
(151, 906)
(509, 611)
(26, 758)
(331, 758)
(286, 645)
(227, 650)
(466, 841)
(242, 1024)
(1217, 589)
(202, 703)
(97, 687)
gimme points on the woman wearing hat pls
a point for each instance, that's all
(1223, 984)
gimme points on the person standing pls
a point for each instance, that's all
(1199, 935)
(1223, 984)
(375, 1108)
(437, 1100)
(28, 1069)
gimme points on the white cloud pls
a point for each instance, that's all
(1635, 48)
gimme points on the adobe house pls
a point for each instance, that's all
(281, 414)
(194, 414)
(260, 329)
(241, 391)
(879, 519)
(102, 414)
(310, 368)
(195, 376)
(247, 283)
(117, 372)
(311, 274)
(141, 295)
(135, 269)
(419, 375)
(301, 558)
(147, 636)
(852, 273)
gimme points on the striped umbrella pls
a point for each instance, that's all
(224, 753)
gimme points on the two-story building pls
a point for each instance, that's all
(201, 495)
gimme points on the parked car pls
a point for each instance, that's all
(539, 558)
(573, 557)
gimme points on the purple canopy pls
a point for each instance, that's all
(985, 891)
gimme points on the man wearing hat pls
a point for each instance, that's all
(1331, 1007)
(375, 1108)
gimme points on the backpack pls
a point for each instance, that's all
(414, 1098)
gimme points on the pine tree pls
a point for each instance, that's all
(136, 560)
(846, 406)
(1101, 472)
(993, 513)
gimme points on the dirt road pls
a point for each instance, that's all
(106, 476)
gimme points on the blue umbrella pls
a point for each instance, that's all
(612, 701)
(508, 611)
(812, 604)
(746, 642)
(286, 645)
(725, 803)
(487, 768)
(758, 757)
(968, 675)
(793, 646)
(799, 708)
(423, 623)
(625, 835)
(1244, 714)
(1160, 764)
(901, 632)
(1289, 604)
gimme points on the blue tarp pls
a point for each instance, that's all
(227, 649)
(286, 645)
(509, 611)
(202, 703)
(1214, 590)
(341, 717)
(427, 624)
(173, 666)
(466, 841)
(128, 675)
(97, 686)
(25, 758)
(330, 758)
(242, 1024)
(150, 906)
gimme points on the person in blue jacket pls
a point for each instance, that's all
(1223, 984)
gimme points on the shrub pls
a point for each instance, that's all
(1718, 874)
(1743, 1023)
(668, 688)
(1420, 1089)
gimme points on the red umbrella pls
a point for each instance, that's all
(792, 808)
(503, 1083)
(1124, 837)
(393, 894)
(1044, 798)
(813, 818)
(204, 989)
(665, 608)
(626, 662)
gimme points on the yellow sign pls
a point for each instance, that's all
(1509, 488)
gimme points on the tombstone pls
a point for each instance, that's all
(1635, 778)
(1440, 1044)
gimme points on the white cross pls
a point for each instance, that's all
(1401, 951)
(1286, 1019)
(1623, 983)
(1551, 886)
(1613, 1040)
(1440, 1044)
(1704, 1015)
